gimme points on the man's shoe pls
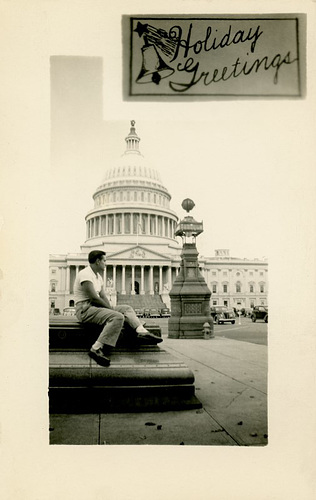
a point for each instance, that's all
(99, 357)
(149, 338)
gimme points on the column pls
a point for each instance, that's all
(114, 223)
(123, 292)
(76, 274)
(151, 280)
(133, 280)
(169, 279)
(148, 224)
(123, 229)
(142, 281)
(160, 279)
(114, 277)
(104, 276)
(67, 284)
(156, 224)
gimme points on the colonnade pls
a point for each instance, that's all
(151, 279)
(130, 223)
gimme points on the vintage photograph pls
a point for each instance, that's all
(158, 289)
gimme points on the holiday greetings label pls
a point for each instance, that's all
(215, 56)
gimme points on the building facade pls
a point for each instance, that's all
(133, 223)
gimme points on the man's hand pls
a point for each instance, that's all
(105, 299)
(99, 301)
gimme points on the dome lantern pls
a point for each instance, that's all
(132, 140)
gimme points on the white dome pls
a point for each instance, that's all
(132, 167)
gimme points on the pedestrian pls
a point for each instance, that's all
(92, 306)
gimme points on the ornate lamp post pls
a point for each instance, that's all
(190, 295)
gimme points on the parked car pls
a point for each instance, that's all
(69, 311)
(231, 311)
(259, 312)
(146, 313)
(221, 315)
(248, 312)
(139, 312)
(165, 312)
(154, 313)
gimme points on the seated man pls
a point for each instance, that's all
(92, 306)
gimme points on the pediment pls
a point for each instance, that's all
(138, 253)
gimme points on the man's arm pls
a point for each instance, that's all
(105, 299)
(101, 301)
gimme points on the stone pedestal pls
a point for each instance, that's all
(140, 378)
(190, 298)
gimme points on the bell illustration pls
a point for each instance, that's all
(154, 67)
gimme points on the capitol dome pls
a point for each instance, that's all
(131, 205)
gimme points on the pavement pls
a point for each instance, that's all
(230, 382)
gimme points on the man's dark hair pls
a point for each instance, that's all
(94, 255)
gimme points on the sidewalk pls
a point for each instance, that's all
(230, 382)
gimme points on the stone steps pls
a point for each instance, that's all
(141, 301)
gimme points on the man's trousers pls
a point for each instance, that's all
(112, 319)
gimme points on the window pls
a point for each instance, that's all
(152, 224)
(127, 223)
(213, 273)
(238, 288)
(214, 288)
(214, 302)
(159, 226)
(142, 196)
(226, 303)
(119, 223)
(251, 273)
(53, 287)
(135, 223)
(251, 288)
(135, 195)
(224, 288)
(111, 224)
(225, 273)
(237, 274)
(143, 223)
(261, 288)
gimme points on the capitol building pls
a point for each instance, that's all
(132, 221)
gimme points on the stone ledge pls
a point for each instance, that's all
(68, 332)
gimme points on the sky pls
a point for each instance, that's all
(227, 161)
